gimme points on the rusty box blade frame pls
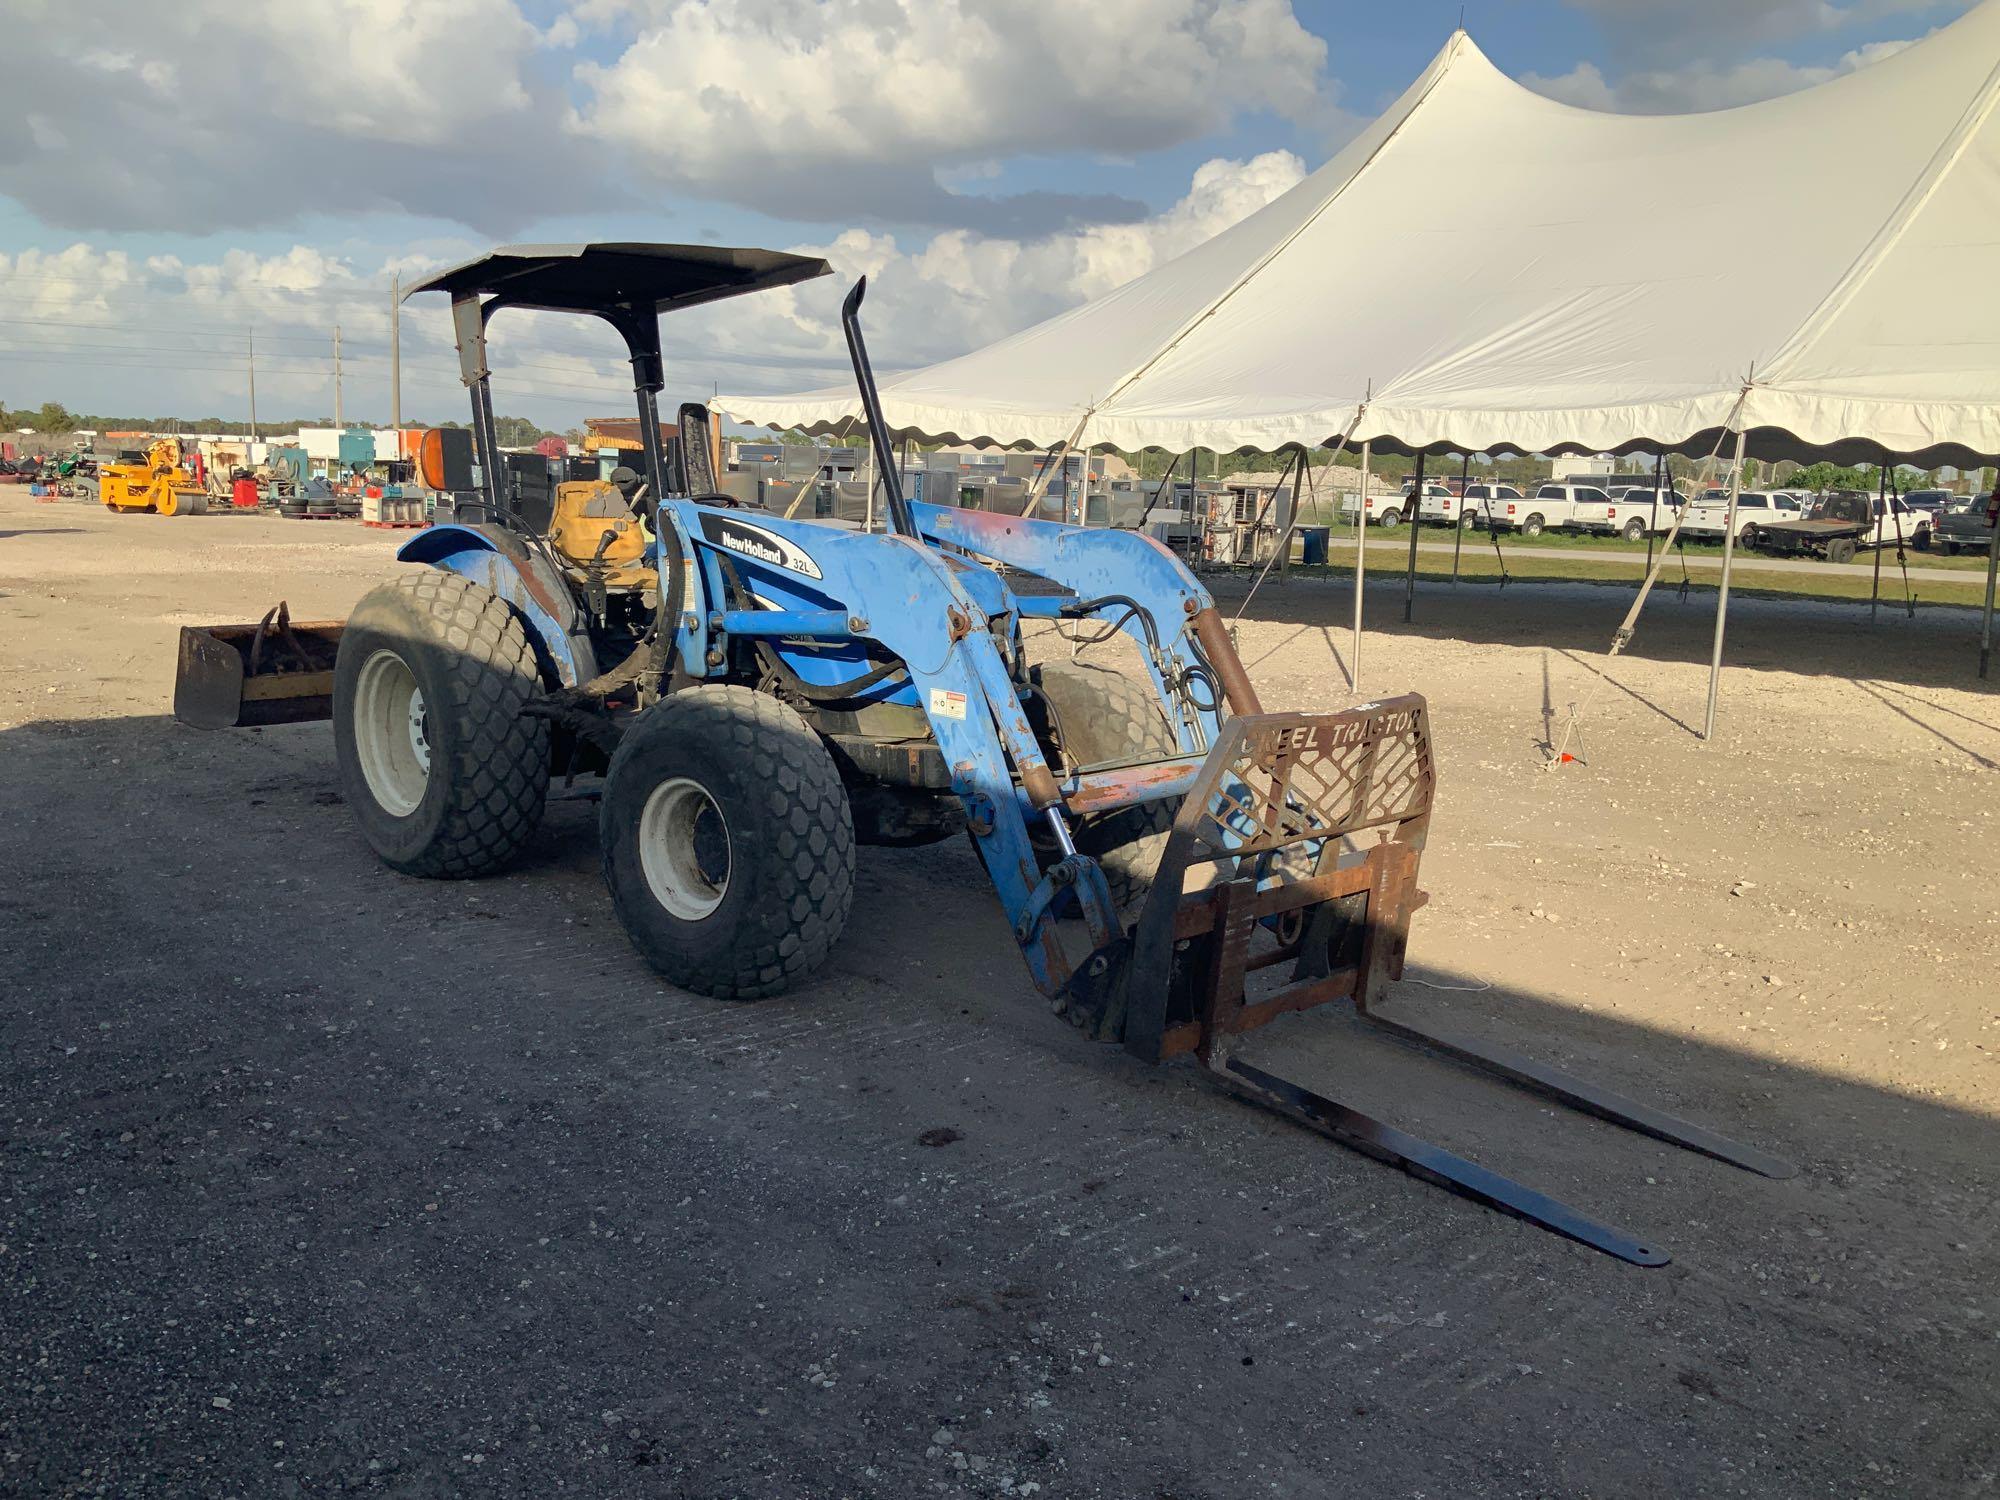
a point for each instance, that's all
(244, 676)
(1270, 866)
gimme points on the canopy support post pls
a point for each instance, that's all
(1722, 595)
(1360, 564)
(1881, 509)
(1986, 615)
(1458, 521)
(1902, 555)
(1653, 526)
(1413, 518)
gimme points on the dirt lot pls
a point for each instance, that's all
(319, 1179)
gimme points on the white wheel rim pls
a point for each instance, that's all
(686, 869)
(392, 733)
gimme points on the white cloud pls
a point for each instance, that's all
(103, 331)
(958, 291)
(202, 114)
(845, 107)
(1699, 86)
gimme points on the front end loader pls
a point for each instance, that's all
(760, 694)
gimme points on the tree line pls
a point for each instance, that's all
(53, 419)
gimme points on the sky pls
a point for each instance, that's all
(180, 182)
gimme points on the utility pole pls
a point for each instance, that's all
(396, 351)
(336, 376)
(253, 385)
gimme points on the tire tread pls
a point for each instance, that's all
(500, 775)
(808, 862)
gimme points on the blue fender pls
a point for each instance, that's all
(499, 560)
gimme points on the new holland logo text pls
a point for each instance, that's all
(758, 545)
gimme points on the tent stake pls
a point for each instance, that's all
(1458, 529)
(1722, 595)
(1413, 518)
(1360, 563)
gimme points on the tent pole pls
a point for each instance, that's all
(1652, 526)
(1458, 521)
(1986, 616)
(1413, 518)
(1722, 595)
(1360, 563)
(1881, 506)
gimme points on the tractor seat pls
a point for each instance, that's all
(586, 511)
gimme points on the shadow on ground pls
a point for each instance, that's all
(317, 1177)
(1938, 647)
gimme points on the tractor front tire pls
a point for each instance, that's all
(1102, 715)
(728, 843)
(444, 774)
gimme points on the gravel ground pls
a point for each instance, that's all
(317, 1179)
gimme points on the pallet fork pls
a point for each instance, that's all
(1269, 866)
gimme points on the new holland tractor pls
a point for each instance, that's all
(761, 694)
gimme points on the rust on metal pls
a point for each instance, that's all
(1315, 821)
(1221, 654)
(1186, 1037)
(1040, 784)
(276, 671)
(1105, 791)
(1196, 914)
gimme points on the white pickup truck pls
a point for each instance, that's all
(1484, 500)
(1383, 510)
(1443, 509)
(1708, 518)
(1553, 505)
(1630, 513)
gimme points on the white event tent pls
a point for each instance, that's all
(1818, 275)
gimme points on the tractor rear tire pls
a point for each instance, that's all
(728, 843)
(445, 775)
(1102, 715)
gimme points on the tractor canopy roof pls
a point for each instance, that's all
(591, 278)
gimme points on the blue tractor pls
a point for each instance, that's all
(761, 694)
